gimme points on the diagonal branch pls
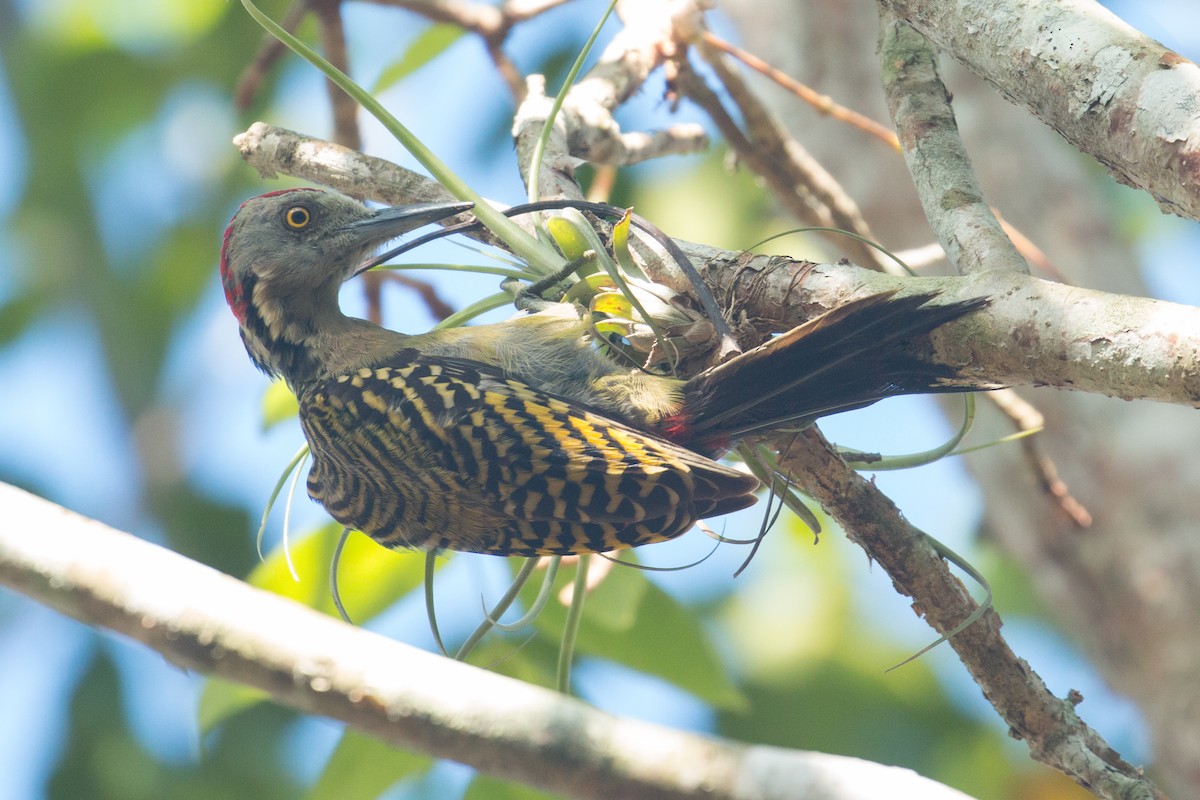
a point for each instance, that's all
(805, 188)
(936, 156)
(1049, 725)
(200, 619)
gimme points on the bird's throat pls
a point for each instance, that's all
(303, 345)
(277, 349)
(280, 330)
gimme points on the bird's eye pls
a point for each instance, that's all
(297, 218)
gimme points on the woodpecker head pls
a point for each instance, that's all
(286, 253)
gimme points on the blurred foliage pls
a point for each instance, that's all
(95, 85)
(102, 759)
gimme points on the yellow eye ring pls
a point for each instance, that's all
(297, 217)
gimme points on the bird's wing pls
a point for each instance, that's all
(554, 475)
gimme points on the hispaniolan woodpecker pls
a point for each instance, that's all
(520, 438)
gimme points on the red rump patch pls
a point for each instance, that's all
(678, 428)
(675, 428)
(235, 291)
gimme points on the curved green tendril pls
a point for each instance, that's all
(430, 611)
(717, 542)
(841, 232)
(878, 463)
(960, 562)
(287, 518)
(566, 652)
(539, 602)
(301, 454)
(489, 618)
(333, 575)
(482, 306)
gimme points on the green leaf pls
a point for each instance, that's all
(362, 768)
(631, 621)
(378, 577)
(620, 240)
(430, 44)
(278, 404)
(221, 699)
(485, 787)
(570, 241)
(375, 578)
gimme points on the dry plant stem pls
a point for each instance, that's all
(485, 19)
(585, 132)
(506, 68)
(1111, 91)
(438, 308)
(333, 42)
(936, 156)
(585, 128)
(1049, 725)
(1034, 256)
(481, 18)
(520, 10)
(821, 102)
(798, 181)
(1025, 417)
(1055, 486)
(372, 283)
(202, 620)
(827, 105)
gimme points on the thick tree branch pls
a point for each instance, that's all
(936, 156)
(200, 619)
(1035, 332)
(1109, 90)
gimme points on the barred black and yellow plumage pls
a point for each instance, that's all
(453, 454)
(519, 438)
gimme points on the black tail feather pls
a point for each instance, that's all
(847, 358)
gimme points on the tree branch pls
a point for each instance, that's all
(200, 619)
(1108, 89)
(1053, 731)
(936, 156)
(1034, 333)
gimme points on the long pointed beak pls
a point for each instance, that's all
(388, 223)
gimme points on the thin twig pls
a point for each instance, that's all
(801, 184)
(1025, 417)
(821, 102)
